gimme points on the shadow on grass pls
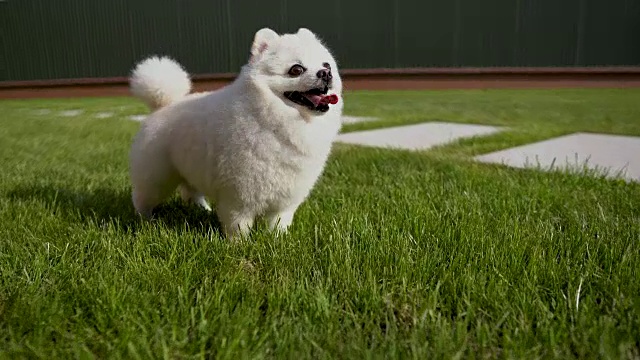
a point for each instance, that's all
(106, 205)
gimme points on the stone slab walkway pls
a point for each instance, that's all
(356, 119)
(416, 137)
(617, 155)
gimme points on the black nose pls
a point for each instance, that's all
(325, 75)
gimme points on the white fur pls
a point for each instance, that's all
(245, 147)
(159, 81)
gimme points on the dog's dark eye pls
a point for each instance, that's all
(296, 70)
(327, 66)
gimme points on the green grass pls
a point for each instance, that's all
(395, 254)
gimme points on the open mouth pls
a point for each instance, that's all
(314, 99)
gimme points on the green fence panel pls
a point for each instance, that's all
(611, 33)
(54, 39)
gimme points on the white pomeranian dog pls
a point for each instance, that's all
(254, 148)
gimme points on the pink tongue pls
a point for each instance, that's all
(323, 99)
(315, 99)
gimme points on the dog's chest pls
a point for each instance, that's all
(283, 168)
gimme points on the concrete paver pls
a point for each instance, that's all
(615, 154)
(137, 117)
(416, 137)
(356, 119)
(71, 113)
(104, 115)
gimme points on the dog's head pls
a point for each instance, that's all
(298, 68)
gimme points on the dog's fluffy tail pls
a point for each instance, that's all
(159, 81)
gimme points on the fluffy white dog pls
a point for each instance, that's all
(255, 147)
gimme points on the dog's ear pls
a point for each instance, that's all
(263, 39)
(304, 32)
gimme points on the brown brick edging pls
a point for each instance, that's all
(365, 79)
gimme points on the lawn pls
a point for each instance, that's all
(394, 255)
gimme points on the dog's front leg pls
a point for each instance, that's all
(236, 224)
(280, 221)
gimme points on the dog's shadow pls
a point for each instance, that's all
(106, 205)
